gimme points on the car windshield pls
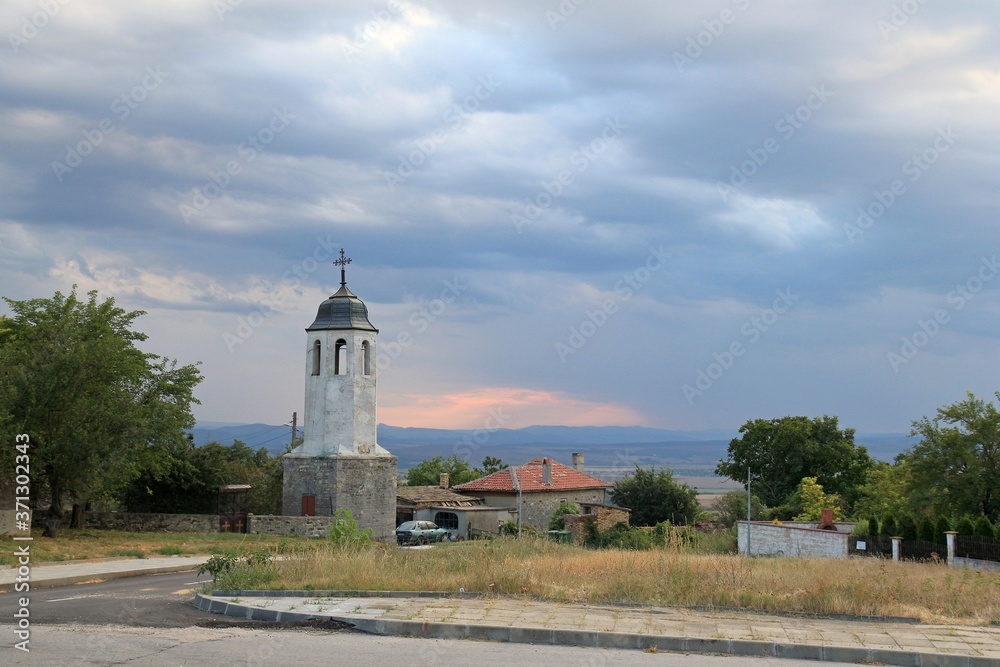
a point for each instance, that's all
(407, 525)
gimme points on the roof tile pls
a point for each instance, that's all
(564, 478)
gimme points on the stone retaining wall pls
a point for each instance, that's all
(307, 526)
(152, 523)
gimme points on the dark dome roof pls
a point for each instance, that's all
(343, 310)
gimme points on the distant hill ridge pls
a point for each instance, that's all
(604, 446)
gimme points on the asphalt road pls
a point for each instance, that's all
(155, 601)
(150, 620)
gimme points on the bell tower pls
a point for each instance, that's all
(339, 464)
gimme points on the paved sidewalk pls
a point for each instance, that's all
(60, 574)
(670, 629)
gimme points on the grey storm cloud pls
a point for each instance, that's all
(203, 160)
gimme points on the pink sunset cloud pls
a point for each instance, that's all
(517, 407)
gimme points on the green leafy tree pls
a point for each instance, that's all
(190, 483)
(872, 526)
(814, 500)
(97, 408)
(888, 527)
(491, 464)
(655, 496)
(731, 507)
(428, 472)
(557, 522)
(956, 465)
(780, 452)
(886, 490)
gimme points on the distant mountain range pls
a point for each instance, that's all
(605, 447)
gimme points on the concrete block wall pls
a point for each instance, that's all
(768, 539)
(365, 486)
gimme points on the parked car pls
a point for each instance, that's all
(420, 532)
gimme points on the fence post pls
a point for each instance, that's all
(896, 541)
(950, 536)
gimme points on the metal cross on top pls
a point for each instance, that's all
(342, 262)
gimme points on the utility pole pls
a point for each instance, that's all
(748, 511)
(295, 421)
(517, 483)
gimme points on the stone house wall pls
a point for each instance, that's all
(538, 507)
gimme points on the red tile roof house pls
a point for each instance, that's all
(544, 484)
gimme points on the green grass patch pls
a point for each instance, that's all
(127, 553)
(170, 550)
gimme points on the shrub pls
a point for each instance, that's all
(925, 531)
(983, 527)
(964, 526)
(941, 526)
(907, 528)
(345, 532)
(888, 527)
(731, 507)
(250, 570)
(557, 522)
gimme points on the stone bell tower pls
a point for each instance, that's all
(339, 464)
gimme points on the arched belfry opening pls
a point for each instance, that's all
(339, 464)
(340, 357)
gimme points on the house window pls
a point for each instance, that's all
(316, 358)
(340, 357)
(366, 354)
(447, 520)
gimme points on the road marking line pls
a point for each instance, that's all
(78, 597)
(192, 583)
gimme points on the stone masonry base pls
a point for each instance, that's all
(364, 486)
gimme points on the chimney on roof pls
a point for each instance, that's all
(444, 481)
(578, 461)
(546, 472)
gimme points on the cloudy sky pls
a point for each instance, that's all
(673, 214)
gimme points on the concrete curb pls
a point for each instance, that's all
(594, 639)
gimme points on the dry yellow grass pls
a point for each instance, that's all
(669, 576)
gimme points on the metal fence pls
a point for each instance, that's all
(881, 547)
(980, 548)
(921, 550)
(869, 545)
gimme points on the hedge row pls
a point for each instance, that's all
(928, 528)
